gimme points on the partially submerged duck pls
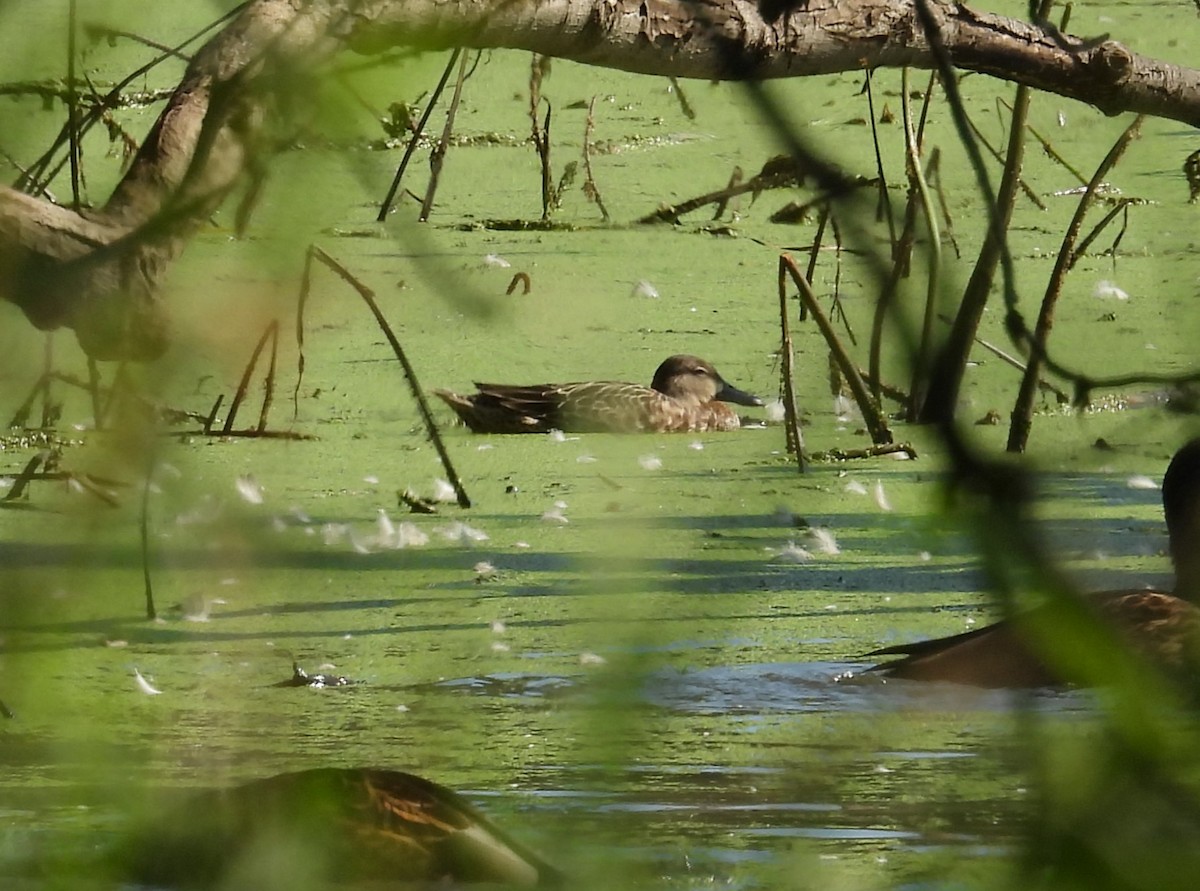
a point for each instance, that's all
(329, 827)
(1162, 626)
(686, 395)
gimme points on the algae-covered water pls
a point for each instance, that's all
(630, 650)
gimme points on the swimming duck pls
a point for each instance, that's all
(687, 395)
(338, 826)
(1164, 627)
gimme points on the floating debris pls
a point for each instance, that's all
(496, 261)
(589, 658)
(144, 685)
(643, 288)
(249, 489)
(650, 462)
(1106, 290)
(409, 535)
(881, 499)
(1138, 481)
(461, 533)
(301, 678)
(790, 553)
(824, 541)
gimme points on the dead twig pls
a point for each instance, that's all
(1022, 415)
(590, 189)
(386, 207)
(23, 478)
(791, 417)
(437, 156)
(872, 416)
(410, 374)
(271, 332)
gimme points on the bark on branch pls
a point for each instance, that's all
(100, 272)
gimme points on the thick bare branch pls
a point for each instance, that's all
(100, 273)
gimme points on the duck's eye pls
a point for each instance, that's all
(700, 371)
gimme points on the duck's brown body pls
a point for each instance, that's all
(1164, 627)
(326, 828)
(686, 395)
(1156, 624)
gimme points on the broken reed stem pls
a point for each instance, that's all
(144, 523)
(244, 384)
(73, 108)
(386, 207)
(946, 378)
(47, 376)
(902, 248)
(872, 416)
(301, 304)
(684, 105)
(735, 179)
(119, 380)
(589, 186)
(410, 375)
(923, 360)
(1122, 206)
(269, 383)
(1009, 359)
(1022, 414)
(933, 173)
(94, 392)
(540, 133)
(18, 487)
(438, 154)
(791, 417)
(883, 205)
(212, 415)
(999, 159)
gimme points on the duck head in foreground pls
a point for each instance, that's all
(328, 828)
(1162, 627)
(687, 395)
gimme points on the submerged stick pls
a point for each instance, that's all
(410, 375)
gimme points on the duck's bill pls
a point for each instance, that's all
(739, 397)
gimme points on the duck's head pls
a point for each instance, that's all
(691, 379)
(1181, 505)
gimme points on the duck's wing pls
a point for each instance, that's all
(504, 408)
(992, 656)
(343, 825)
(1165, 629)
